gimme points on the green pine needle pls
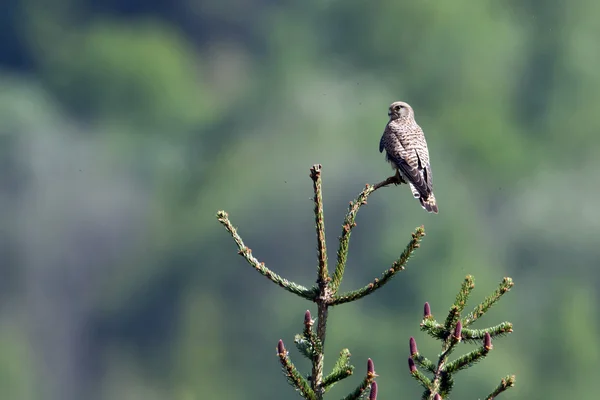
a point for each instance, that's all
(467, 360)
(476, 335)
(245, 252)
(294, 377)
(341, 370)
(396, 267)
(504, 287)
(506, 383)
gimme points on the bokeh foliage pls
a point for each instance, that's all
(125, 124)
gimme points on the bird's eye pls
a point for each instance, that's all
(398, 108)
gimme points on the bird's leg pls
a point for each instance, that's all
(398, 178)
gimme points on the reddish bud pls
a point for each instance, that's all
(370, 367)
(373, 394)
(458, 331)
(280, 347)
(437, 397)
(487, 342)
(426, 310)
(411, 365)
(413, 346)
(307, 318)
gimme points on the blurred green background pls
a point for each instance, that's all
(126, 124)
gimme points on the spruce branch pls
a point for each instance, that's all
(473, 335)
(396, 267)
(464, 292)
(305, 347)
(342, 369)
(452, 317)
(310, 337)
(245, 252)
(507, 382)
(361, 390)
(292, 374)
(504, 287)
(315, 175)
(311, 341)
(451, 334)
(308, 343)
(467, 360)
(422, 361)
(418, 375)
(323, 279)
(349, 223)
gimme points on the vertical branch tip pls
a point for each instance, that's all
(315, 175)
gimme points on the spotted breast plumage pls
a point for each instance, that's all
(406, 150)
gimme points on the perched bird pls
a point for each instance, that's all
(406, 149)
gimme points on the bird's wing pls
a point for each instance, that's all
(425, 168)
(412, 160)
(382, 143)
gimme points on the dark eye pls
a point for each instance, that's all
(398, 108)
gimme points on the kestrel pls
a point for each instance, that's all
(406, 149)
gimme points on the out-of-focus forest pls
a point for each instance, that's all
(125, 125)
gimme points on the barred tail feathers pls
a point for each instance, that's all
(414, 191)
(429, 204)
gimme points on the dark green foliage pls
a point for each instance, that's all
(342, 369)
(178, 109)
(453, 332)
(294, 377)
(311, 342)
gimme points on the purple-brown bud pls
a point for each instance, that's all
(426, 311)
(373, 394)
(487, 342)
(308, 322)
(370, 368)
(413, 346)
(437, 397)
(458, 331)
(280, 347)
(411, 365)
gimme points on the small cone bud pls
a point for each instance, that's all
(437, 397)
(413, 346)
(458, 330)
(370, 367)
(487, 341)
(307, 319)
(280, 347)
(411, 365)
(426, 310)
(373, 394)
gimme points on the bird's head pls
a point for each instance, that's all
(400, 109)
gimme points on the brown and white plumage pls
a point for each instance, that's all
(406, 149)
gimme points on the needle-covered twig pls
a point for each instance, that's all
(349, 223)
(245, 252)
(507, 382)
(451, 333)
(387, 275)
